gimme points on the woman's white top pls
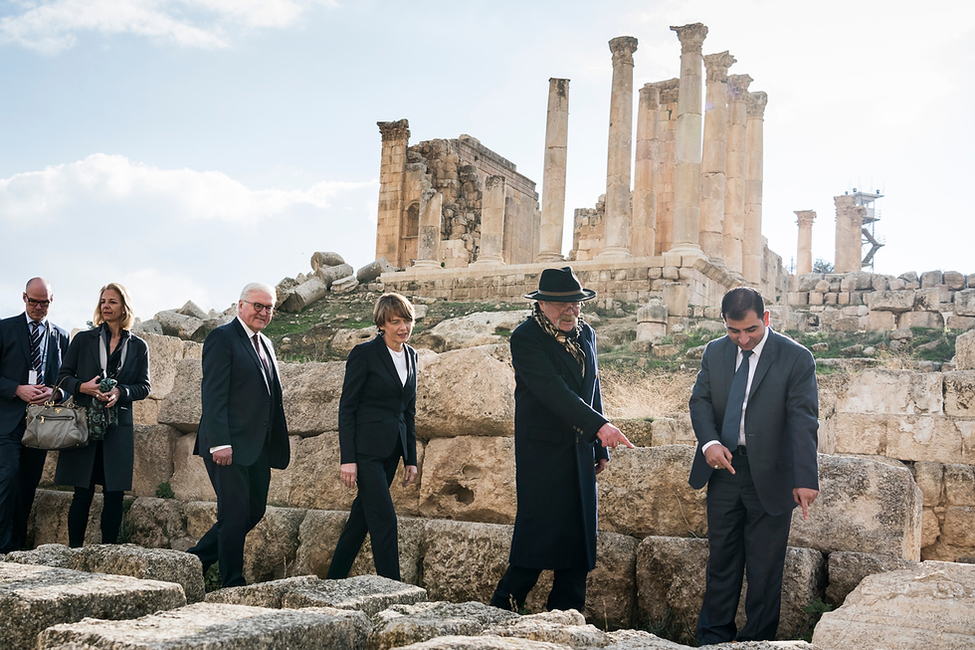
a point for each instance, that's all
(400, 361)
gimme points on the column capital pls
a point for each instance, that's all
(805, 217)
(650, 95)
(738, 86)
(623, 48)
(398, 130)
(756, 104)
(717, 65)
(691, 37)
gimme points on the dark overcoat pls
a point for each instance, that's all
(80, 364)
(558, 412)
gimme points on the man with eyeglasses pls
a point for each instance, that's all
(561, 440)
(31, 348)
(242, 432)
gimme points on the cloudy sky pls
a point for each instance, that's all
(187, 147)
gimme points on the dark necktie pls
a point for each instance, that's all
(35, 350)
(731, 424)
(267, 371)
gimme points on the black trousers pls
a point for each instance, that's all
(568, 589)
(744, 540)
(241, 503)
(372, 512)
(111, 520)
(20, 472)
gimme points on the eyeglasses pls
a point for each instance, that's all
(566, 306)
(258, 307)
(38, 303)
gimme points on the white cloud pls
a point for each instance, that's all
(52, 26)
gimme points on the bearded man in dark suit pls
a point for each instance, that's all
(755, 410)
(242, 432)
(31, 349)
(561, 437)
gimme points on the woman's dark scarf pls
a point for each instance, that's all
(100, 417)
(569, 340)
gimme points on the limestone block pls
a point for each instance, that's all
(182, 406)
(958, 530)
(881, 320)
(466, 392)
(644, 491)
(494, 642)
(676, 297)
(954, 280)
(930, 478)
(203, 626)
(959, 393)
(930, 533)
(164, 353)
(798, 298)
(808, 281)
(315, 477)
(816, 298)
(928, 606)
(897, 284)
(319, 533)
(310, 291)
(937, 438)
(33, 598)
(895, 301)
(405, 624)
(153, 462)
(190, 481)
(480, 328)
(847, 569)
(865, 506)
(959, 485)
(965, 302)
(469, 478)
(464, 560)
(325, 259)
(51, 555)
(146, 411)
(653, 312)
(961, 323)
(373, 270)
(970, 281)
(346, 284)
(847, 324)
(567, 628)
(188, 328)
(610, 586)
(927, 299)
(673, 431)
(879, 283)
(931, 279)
(157, 523)
(671, 573)
(893, 391)
(164, 565)
(965, 351)
(925, 319)
(50, 518)
(346, 339)
(311, 396)
(639, 431)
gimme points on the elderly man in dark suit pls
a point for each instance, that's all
(561, 437)
(755, 412)
(31, 349)
(242, 432)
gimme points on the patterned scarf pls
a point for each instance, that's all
(569, 340)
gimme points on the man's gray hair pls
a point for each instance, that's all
(258, 286)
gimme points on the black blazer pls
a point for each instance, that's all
(781, 421)
(15, 365)
(81, 363)
(238, 409)
(377, 413)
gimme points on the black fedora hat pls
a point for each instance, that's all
(560, 285)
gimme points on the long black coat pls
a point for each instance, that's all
(80, 365)
(557, 415)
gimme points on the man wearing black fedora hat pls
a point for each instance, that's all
(561, 438)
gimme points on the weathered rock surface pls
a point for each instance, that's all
(965, 350)
(373, 270)
(482, 642)
(346, 339)
(331, 275)
(325, 258)
(204, 626)
(480, 328)
(158, 523)
(928, 606)
(467, 392)
(311, 396)
(182, 406)
(153, 462)
(848, 569)
(189, 328)
(568, 628)
(404, 624)
(190, 481)
(345, 284)
(33, 598)
(474, 481)
(306, 293)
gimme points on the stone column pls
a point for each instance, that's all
(492, 222)
(644, 230)
(752, 248)
(714, 161)
(553, 179)
(666, 164)
(804, 219)
(849, 224)
(733, 227)
(616, 242)
(392, 177)
(428, 237)
(687, 180)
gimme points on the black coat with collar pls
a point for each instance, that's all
(15, 366)
(558, 412)
(377, 413)
(81, 364)
(238, 408)
(781, 420)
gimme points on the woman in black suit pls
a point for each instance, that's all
(376, 429)
(108, 351)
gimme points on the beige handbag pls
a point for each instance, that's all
(56, 426)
